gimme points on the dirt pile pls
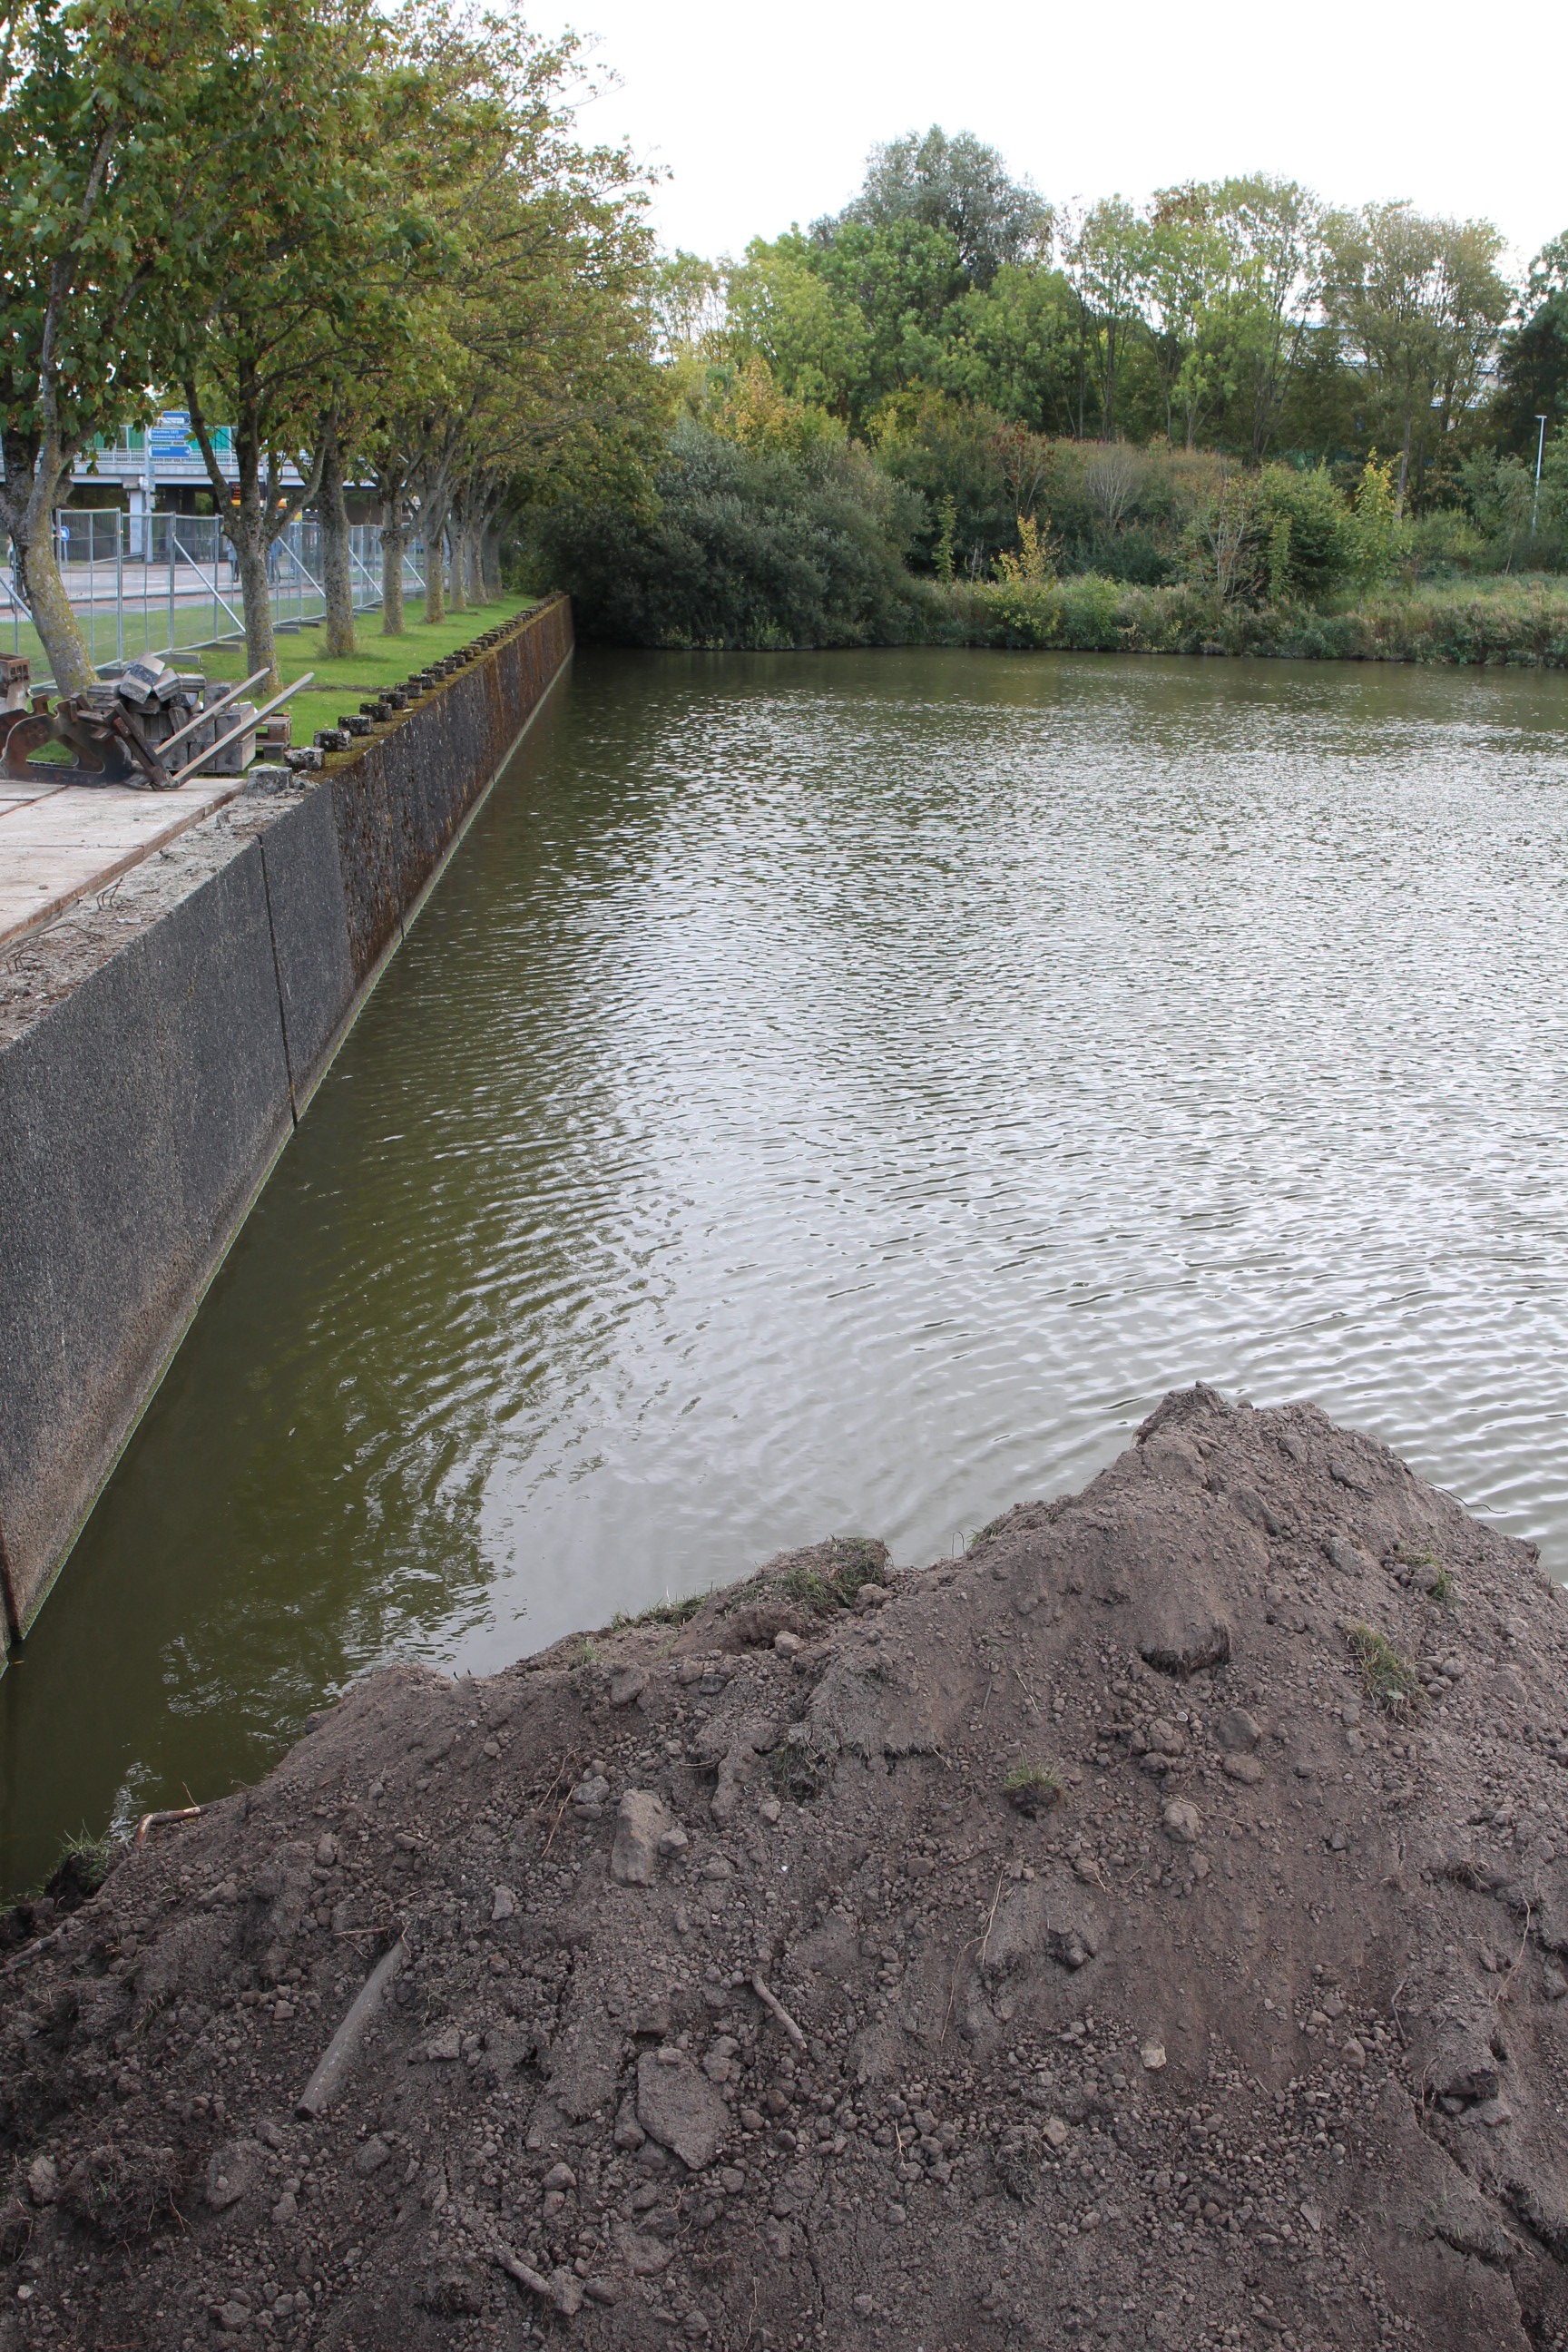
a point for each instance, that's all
(1146, 1930)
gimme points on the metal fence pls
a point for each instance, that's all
(169, 583)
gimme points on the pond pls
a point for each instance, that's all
(840, 1094)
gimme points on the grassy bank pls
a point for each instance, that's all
(341, 686)
(1524, 624)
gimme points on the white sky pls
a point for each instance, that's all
(763, 115)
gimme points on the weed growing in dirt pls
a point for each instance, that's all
(83, 1866)
(857, 1561)
(803, 1584)
(799, 1770)
(1390, 1680)
(663, 1613)
(1427, 1571)
(1033, 1788)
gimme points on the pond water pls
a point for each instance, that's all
(842, 1093)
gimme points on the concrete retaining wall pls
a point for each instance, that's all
(140, 1117)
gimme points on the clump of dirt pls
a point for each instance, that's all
(1148, 1930)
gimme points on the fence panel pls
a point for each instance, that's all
(169, 583)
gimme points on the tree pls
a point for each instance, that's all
(847, 321)
(1273, 235)
(809, 330)
(535, 338)
(1185, 279)
(1014, 346)
(318, 241)
(1532, 369)
(1418, 303)
(957, 455)
(686, 308)
(1106, 260)
(958, 185)
(112, 120)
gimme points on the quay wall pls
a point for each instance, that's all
(141, 1115)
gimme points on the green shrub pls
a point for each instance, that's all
(1390, 1681)
(1305, 544)
(1033, 1788)
(663, 1613)
(744, 548)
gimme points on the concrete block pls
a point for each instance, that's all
(309, 936)
(136, 1119)
(365, 862)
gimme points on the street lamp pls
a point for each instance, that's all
(1540, 453)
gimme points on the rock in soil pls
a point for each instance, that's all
(1254, 2036)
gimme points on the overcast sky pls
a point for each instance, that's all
(763, 115)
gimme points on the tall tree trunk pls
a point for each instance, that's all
(337, 565)
(249, 526)
(473, 560)
(489, 557)
(53, 617)
(394, 541)
(29, 520)
(71, 664)
(459, 586)
(1404, 473)
(433, 522)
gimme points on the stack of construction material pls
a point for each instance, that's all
(165, 700)
(143, 722)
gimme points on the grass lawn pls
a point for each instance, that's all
(380, 662)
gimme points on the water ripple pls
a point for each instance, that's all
(845, 1092)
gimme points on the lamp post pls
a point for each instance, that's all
(1540, 454)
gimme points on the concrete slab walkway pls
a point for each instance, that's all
(61, 843)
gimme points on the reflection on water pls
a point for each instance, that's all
(844, 1092)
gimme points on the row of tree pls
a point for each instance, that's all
(1243, 315)
(369, 240)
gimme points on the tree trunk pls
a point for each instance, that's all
(69, 661)
(1404, 473)
(489, 557)
(434, 528)
(394, 541)
(246, 524)
(249, 526)
(337, 566)
(474, 559)
(459, 586)
(34, 478)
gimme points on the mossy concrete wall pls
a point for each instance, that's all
(141, 1115)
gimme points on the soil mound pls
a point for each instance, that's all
(1147, 1931)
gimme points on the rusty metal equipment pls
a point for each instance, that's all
(125, 729)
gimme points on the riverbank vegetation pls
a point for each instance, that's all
(369, 242)
(1239, 418)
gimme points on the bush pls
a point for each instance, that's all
(1306, 545)
(1133, 554)
(1523, 625)
(743, 548)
